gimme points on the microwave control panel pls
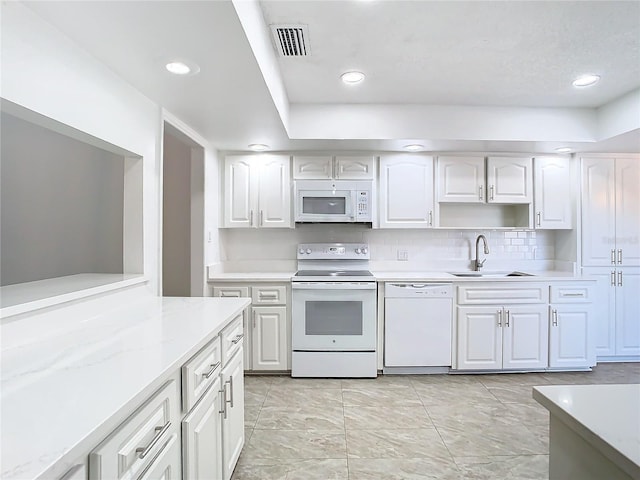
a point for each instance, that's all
(362, 204)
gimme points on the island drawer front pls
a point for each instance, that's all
(135, 443)
(199, 373)
(500, 294)
(233, 292)
(269, 295)
(231, 338)
(571, 293)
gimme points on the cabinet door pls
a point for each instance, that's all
(627, 311)
(461, 179)
(406, 191)
(233, 418)
(552, 193)
(235, 292)
(202, 437)
(479, 338)
(275, 192)
(269, 339)
(604, 310)
(570, 336)
(525, 337)
(509, 180)
(239, 197)
(354, 168)
(628, 211)
(598, 212)
(166, 466)
(312, 168)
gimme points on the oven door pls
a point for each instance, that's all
(333, 316)
(325, 206)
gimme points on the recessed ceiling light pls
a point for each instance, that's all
(414, 147)
(259, 147)
(352, 77)
(182, 67)
(563, 150)
(586, 80)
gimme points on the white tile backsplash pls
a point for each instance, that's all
(425, 247)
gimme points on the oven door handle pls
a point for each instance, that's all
(333, 285)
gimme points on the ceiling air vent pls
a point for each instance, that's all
(291, 40)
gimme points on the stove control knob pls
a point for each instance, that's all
(357, 250)
(301, 251)
(364, 250)
(308, 250)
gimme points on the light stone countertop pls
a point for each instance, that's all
(605, 416)
(401, 276)
(61, 392)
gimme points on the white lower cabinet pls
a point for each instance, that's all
(498, 337)
(166, 465)
(232, 414)
(267, 326)
(202, 437)
(570, 336)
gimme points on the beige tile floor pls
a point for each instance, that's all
(403, 427)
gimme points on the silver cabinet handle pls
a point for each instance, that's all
(251, 218)
(230, 294)
(230, 382)
(224, 400)
(620, 256)
(237, 339)
(254, 319)
(613, 257)
(620, 278)
(481, 196)
(500, 318)
(213, 369)
(71, 472)
(581, 295)
(430, 218)
(160, 431)
(268, 296)
(538, 219)
(507, 322)
(491, 192)
(555, 318)
(613, 278)
(261, 217)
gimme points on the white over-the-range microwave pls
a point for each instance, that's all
(333, 201)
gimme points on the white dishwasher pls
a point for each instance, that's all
(418, 324)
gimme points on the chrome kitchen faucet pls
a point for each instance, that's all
(477, 264)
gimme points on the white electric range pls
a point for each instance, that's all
(333, 319)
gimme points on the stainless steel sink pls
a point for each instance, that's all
(491, 274)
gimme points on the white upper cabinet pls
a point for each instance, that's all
(406, 191)
(461, 179)
(505, 180)
(329, 167)
(509, 180)
(257, 191)
(552, 193)
(610, 212)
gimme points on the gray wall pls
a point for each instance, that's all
(61, 205)
(176, 218)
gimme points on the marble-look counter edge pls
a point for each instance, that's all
(581, 408)
(79, 397)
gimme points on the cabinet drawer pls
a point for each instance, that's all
(135, 443)
(269, 295)
(200, 372)
(234, 292)
(166, 465)
(571, 293)
(231, 338)
(501, 294)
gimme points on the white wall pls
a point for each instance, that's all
(44, 71)
(246, 249)
(62, 205)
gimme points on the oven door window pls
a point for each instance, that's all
(333, 318)
(324, 205)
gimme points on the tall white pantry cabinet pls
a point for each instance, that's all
(611, 251)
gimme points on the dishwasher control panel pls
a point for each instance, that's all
(419, 290)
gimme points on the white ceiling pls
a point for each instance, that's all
(421, 54)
